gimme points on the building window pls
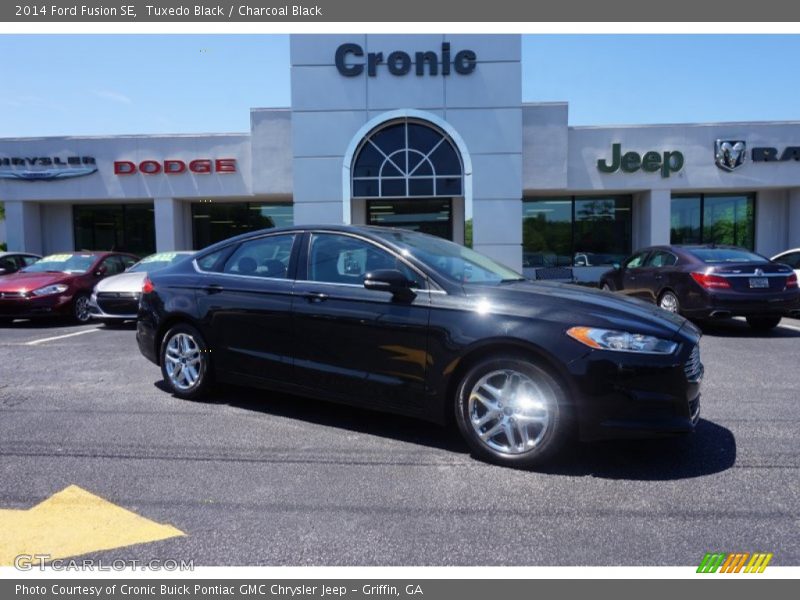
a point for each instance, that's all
(713, 218)
(407, 158)
(121, 227)
(576, 231)
(214, 222)
(428, 215)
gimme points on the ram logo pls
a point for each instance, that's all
(730, 154)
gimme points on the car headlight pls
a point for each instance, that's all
(58, 288)
(621, 341)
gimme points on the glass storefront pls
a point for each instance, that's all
(214, 222)
(121, 227)
(428, 215)
(576, 231)
(713, 218)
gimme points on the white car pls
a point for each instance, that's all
(791, 258)
(116, 299)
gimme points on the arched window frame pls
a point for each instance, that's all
(442, 183)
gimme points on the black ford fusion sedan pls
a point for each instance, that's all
(710, 282)
(404, 322)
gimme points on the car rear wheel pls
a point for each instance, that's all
(512, 412)
(760, 323)
(669, 302)
(80, 308)
(185, 362)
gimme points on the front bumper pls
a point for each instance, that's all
(33, 307)
(113, 306)
(624, 395)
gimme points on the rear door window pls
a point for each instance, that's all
(262, 257)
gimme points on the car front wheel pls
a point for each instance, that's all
(669, 302)
(512, 412)
(185, 362)
(80, 308)
(763, 323)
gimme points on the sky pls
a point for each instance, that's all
(143, 84)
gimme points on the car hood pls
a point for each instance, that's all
(124, 282)
(25, 282)
(580, 306)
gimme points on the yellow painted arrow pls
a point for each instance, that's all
(74, 522)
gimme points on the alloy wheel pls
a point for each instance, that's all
(183, 361)
(82, 312)
(509, 412)
(669, 302)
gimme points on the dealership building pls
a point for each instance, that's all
(419, 131)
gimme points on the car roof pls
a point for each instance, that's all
(19, 254)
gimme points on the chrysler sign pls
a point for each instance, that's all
(44, 168)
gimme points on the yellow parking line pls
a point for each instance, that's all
(74, 522)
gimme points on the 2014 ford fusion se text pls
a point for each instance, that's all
(408, 323)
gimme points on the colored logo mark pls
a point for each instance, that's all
(737, 562)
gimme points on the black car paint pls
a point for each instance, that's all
(368, 348)
(649, 283)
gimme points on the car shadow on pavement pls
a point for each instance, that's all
(735, 328)
(711, 449)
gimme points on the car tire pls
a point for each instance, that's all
(762, 323)
(80, 309)
(669, 302)
(514, 398)
(185, 362)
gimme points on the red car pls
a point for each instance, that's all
(58, 285)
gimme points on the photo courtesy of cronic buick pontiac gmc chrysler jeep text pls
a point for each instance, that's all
(409, 323)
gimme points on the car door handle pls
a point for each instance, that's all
(315, 296)
(213, 288)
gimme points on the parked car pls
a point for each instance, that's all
(708, 281)
(116, 299)
(404, 322)
(791, 258)
(11, 262)
(58, 285)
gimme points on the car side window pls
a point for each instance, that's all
(636, 260)
(127, 261)
(8, 264)
(113, 265)
(792, 259)
(662, 259)
(335, 258)
(29, 260)
(209, 261)
(262, 257)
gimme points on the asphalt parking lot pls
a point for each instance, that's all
(258, 478)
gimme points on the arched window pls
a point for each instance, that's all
(407, 158)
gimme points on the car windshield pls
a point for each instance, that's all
(451, 260)
(62, 263)
(154, 262)
(726, 255)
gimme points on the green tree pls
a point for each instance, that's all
(2, 211)
(468, 233)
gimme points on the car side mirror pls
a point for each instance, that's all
(101, 271)
(389, 280)
(616, 266)
(3, 270)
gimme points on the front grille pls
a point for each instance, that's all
(693, 367)
(118, 303)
